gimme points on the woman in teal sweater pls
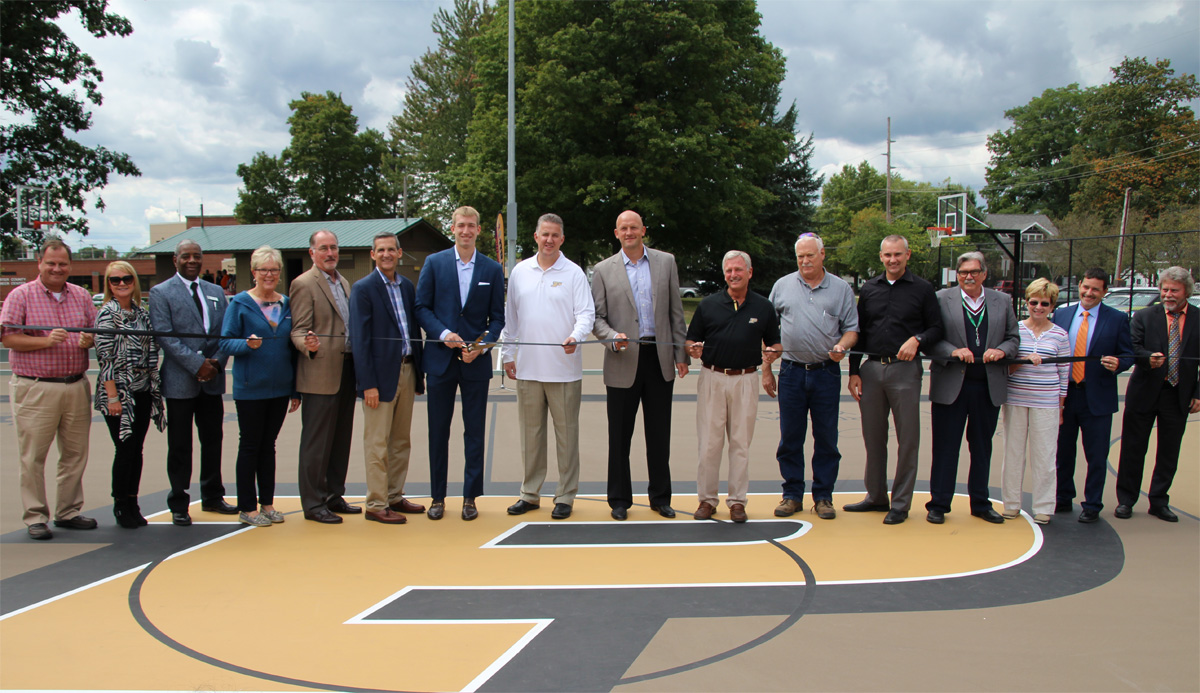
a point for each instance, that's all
(257, 332)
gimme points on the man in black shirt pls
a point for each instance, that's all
(897, 314)
(728, 333)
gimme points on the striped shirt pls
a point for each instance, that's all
(32, 304)
(1040, 387)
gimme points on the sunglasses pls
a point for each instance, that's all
(123, 279)
(1044, 304)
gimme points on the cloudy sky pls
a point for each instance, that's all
(201, 85)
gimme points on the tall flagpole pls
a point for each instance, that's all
(512, 139)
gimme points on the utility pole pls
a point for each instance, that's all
(888, 211)
(512, 137)
(1121, 241)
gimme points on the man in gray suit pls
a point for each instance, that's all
(967, 387)
(193, 380)
(636, 293)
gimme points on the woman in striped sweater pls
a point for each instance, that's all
(1036, 392)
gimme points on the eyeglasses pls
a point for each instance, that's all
(970, 273)
(1043, 304)
(265, 270)
(118, 280)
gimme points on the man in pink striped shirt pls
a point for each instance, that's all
(50, 392)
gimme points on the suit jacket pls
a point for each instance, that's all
(173, 310)
(439, 308)
(375, 335)
(313, 308)
(1110, 337)
(1149, 336)
(946, 377)
(617, 313)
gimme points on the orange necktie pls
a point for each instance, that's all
(1080, 349)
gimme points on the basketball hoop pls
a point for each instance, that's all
(38, 224)
(937, 233)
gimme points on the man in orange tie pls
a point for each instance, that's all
(1095, 330)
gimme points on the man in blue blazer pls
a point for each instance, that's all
(193, 380)
(386, 345)
(1093, 329)
(460, 301)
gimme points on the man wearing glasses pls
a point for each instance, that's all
(967, 387)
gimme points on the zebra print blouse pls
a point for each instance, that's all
(131, 361)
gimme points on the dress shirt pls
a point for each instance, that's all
(33, 304)
(397, 298)
(343, 303)
(889, 313)
(734, 334)
(643, 292)
(811, 321)
(465, 271)
(1092, 314)
(547, 306)
(187, 285)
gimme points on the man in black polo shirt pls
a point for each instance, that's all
(897, 314)
(728, 333)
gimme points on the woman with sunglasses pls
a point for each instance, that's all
(1036, 392)
(257, 333)
(128, 394)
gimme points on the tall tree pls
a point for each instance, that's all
(427, 139)
(666, 108)
(46, 86)
(329, 171)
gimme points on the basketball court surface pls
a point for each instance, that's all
(526, 603)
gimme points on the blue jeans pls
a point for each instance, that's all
(803, 393)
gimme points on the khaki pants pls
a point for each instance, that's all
(1037, 428)
(387, 442)
(41, 412)
(562, 400)
(726, 405)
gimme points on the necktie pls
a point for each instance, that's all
(199, 304)
(1080, 349)
(1173, 347)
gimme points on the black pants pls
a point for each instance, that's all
(973, 410)
(208, 411)
(653, 393)
(127, 457)
(1135, 443)
(259, 421)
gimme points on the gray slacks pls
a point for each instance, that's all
(325, 437)
(894, 388)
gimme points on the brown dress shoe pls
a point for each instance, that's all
(737, 512)
(407, 506)
(704, 512)
(386, 516)
(436, 510)
(469, 512)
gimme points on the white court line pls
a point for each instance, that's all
(77, 590)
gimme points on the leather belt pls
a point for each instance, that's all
(819, 366)
(731, 371)
(67, 380)
(885, 360)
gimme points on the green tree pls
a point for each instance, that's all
(666, 108)
(46, 86)
(427, 139)
(329, 171)
(859, 254)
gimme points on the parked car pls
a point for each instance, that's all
(1128, 300)
(689, 292)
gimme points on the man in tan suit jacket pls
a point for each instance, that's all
(636, 293)
(320, 300)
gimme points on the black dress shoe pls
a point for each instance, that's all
(469, 511)
(323, 515)
(561, 511)
(77, 522)
(40, 531)
(436, 510)
(219, 506)
(867, 507)
(181, 519)
(1124, 512)
(989, 515)
(523, 506)
(937, 517)
(1162, 512)
(1087, 517)
(619, 514)
(894, 517)
(341, 507)
(664, 510)
(1063, 507)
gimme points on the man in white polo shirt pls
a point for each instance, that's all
(549, 304)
